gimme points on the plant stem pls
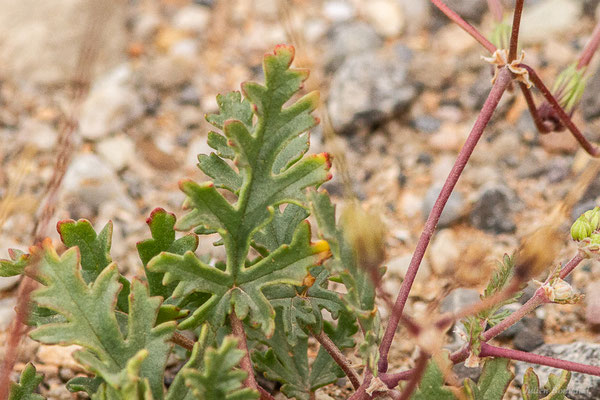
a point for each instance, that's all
(337, 356)
(417, 374)
(514, 35)
(537, 120)
(238, 331)
(454, 17)
(182, 341)
(590, 48)
(496, 9)
(488, 350)
(502, 82)
(561, 114)
(570, 266)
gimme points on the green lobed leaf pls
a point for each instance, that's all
(84, 384)
(531, 385)
(280, 230)
(493, 382)
(219, 379)
(16, 265)
(286, 265)
(555, 387)
(161, 225)
(25, 389)
(432, 385)
(91, 320)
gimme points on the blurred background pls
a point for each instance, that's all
(117, 91)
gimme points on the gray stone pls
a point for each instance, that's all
(493, 210)
(41, 40)
(471, 10)
(581, 386)
(590, 101)
(529, 335)
(369, 88)
(547, 19)
(453, 210)
(348, 39)
(459, 299)
(111, 105)
(426, 123)
(512, 330)
(463, 372)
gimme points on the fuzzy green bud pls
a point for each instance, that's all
(569, 86)
(594, 217)
(581, 229)
(595, 239)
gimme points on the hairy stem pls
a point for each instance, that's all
(182, 341)
(238, 331)
(592, 150)
(590, 48)
(514, 35)
(496, 9)
(504, 79)
(454, 17)
(337, 356)
(488, 350)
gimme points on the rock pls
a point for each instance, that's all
(192, 18)
(111, 105)
(458, 299)
(492, 211)
(471, 10)
(581, 386)
(416, 14)
(41, 40)
(119, 151)
(453, 210)
(592, 306)
(369, 88)
(547, 19)
(385, 16)
(38, 134)
(348, 39)
(463, 372)
(189, 96)
(170, 71)
(90, 181)
(529, 336)
(443, 252)
(398, 267)
(7, 311)
(590, 101)
(426, 123)
(338, 10)
(59, 356)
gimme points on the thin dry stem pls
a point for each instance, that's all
(514, 35)
(337, 356)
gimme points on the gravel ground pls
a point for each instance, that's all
(400, 86)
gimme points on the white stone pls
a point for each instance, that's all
(41, 41)
(443, 252)
(197, 146)
(111, 105)
(119, 151)
(193, 18)
(9, 282)
(547, 19)
(338, 10)
(385, 15)
(7, 311)
(38, 134)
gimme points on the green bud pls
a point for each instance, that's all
(569, 86)
(595, 239)
(594, 217)
(581, 229)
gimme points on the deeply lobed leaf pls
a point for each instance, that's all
(25, 389)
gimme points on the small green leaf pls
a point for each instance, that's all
(493, 382)
(557, 386)
(16, 265)
(84, 384)
(218, 378)
(531, 385)
(25, 389)
(161, 225)
(432, 385)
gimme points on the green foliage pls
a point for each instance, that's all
(25, 389)
(493, 382)
(16, 265)
(218, 379)
(555, 387)
(91, 320)
(474, 325)
(432, 385)
(268, 170)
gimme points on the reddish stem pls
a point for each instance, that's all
(454, 17)
(337, 356)
(570, 266)
(560, 113)
(590, 48)
(496, 9)
(514, 35)
(537, 119)
(182, 341)
(488, 350)
(504, 79)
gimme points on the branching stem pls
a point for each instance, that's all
(337, 356)
(502, 82)
(514, 35)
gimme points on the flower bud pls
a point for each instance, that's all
(594, 217)
(581, 229)
(569, 86)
